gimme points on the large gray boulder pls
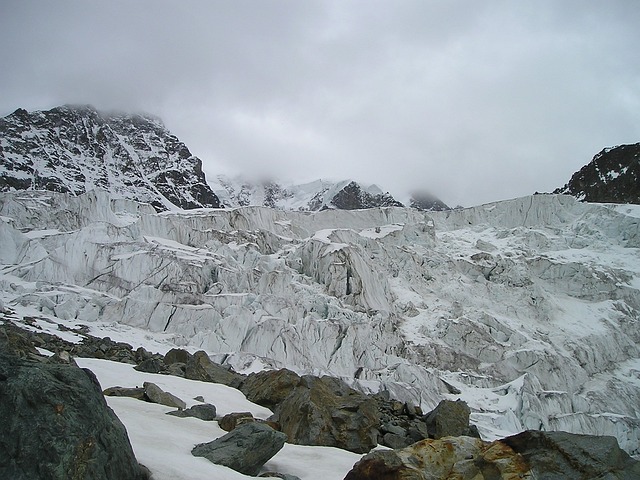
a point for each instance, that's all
(449, 419)
(561, 455)
(326, 411)
(55, 424)
(245, 449)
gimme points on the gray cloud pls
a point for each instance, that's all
(475, 101)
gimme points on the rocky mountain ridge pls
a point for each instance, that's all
(613, 176)
(313, 196)
(73, 149)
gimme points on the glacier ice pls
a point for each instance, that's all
(528, 307)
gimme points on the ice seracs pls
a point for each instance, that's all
(528, 307)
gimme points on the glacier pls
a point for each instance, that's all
(527, 309)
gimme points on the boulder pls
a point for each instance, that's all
(449, 419)
(200, 367)
(325, 411)
(206, 412)
(233, 420)
(270, 388)
(245, 449)
(55, 424)
(462, 458)
(177, 355)
(137, 392)
(560, 455)
(156, 395)
(151, 365)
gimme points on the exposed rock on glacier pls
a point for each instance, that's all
(528, 307)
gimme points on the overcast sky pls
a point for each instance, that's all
(472, 100)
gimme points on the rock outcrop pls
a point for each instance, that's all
(560, 455)
(462, 458)
(316, 410)
(245, 449)
(55, 424)
(530, 454)
(613, 176)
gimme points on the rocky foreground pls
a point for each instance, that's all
(56, 423)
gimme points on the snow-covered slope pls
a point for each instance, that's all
(312, 196)
(529, 308)
(74, 149)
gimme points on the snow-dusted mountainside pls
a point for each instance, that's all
(74, 149)
(313, 196)
(613, 176)
(528, 309)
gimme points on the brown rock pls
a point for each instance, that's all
(232, 420)
(325, 411)
(270, 388)
(462, 458)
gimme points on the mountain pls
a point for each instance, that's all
(313, 196)
(613, 176)
(526, 309)
(73, 149)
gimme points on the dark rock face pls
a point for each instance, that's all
(560, 455)
(613, 176)
(72, 148)
(353, 197)
(55, 424)
(246, 449)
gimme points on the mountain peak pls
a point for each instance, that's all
(75, 148)
(613, 176)
(312, 196)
